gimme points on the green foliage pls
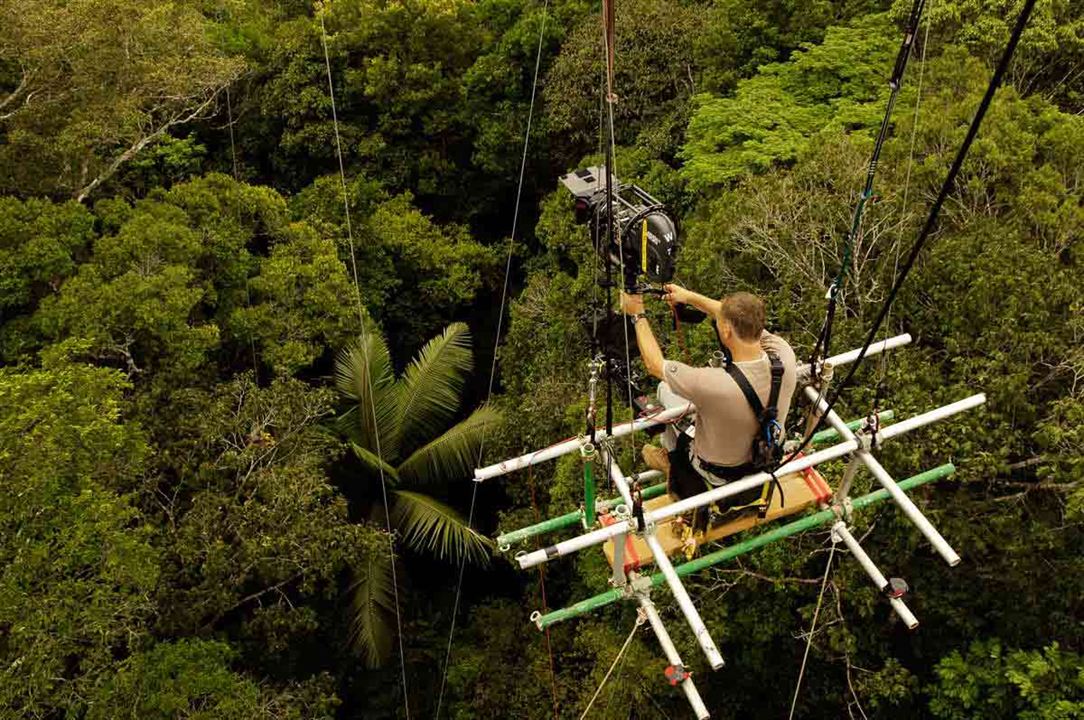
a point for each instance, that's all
(395, 427)
(212, 266)
(40, 242)
(653, 78)
(774, 115)
(88, 86)
(1050, 51)
(189, 679)
(415, 276)
(193, 679)
(254, 518)
(990, 682)
(78, 565)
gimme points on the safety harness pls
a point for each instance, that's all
(768, 441)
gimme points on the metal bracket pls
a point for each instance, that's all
(639, 583)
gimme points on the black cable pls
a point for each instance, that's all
(895, 81)
(931, 219)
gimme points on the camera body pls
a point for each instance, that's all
(645, 240)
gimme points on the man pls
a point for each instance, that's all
(726, 425)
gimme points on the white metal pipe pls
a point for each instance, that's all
(573, 444)
(878, 578)
(909, 508)
(932, 416)
(874, 349)
(672, 656)
(618, 567)
(905, 503)
(601, 535)
(668, 415)
(692, 615)
(597, 537)
(684, 602)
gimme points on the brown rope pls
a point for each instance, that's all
(542, 593)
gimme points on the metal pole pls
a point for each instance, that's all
(601, 535)
(685, 602)
(830, 434)
(932, 416)
(852, 355)
(651, 491)
(878, 578)
(672, 655)
(617, 569)
(743, 547)
(574, 518)
(688, 609)
(572, 444)
(588, 453)
(905, 503)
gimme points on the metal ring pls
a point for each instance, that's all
(520, 554)
(504, 547)
(621, 509)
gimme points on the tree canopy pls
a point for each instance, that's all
(244, 379)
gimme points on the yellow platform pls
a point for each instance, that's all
(800, 490)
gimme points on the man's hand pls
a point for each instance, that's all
(676, 295)
(631, 304)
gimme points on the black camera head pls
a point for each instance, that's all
(645, 238)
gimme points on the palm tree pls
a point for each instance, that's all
(400, 426)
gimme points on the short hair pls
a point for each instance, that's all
(746, 314)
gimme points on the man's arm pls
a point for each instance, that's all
(675, 294)
(650, 352)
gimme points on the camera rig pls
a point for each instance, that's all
(644, 240)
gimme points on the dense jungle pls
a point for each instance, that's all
(239, 416)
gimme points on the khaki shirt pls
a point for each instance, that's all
(725, 424)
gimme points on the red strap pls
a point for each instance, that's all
(815, 482)
(632, 558)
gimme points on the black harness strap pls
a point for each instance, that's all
(764, 415)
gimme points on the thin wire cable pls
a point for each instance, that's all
(237, 178)
(368, 377)
(233, 147)
(812, 629)
(824, 338)
(931, 219)
(496, 342)
(640, 618)
(608, 45)
(885, 359)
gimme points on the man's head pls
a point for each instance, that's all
(741, 319)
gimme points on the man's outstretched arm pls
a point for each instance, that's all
(675, 294)
(650, 352)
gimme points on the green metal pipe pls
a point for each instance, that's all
(830, 434)
(568, 519)
(728, 553)
(588, 491)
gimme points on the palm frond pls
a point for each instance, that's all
(452, 455)
(364, 376)
(428, 525)
(429, 393)
(372, 606)
(374, 464)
